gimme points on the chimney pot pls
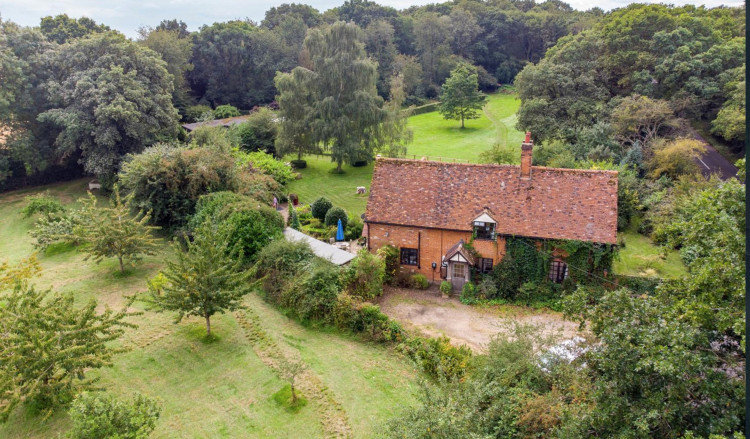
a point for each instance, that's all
(526, 154)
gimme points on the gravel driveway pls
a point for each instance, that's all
(428, 312)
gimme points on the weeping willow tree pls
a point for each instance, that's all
(334, 102)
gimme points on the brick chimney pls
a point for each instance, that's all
(526, 148)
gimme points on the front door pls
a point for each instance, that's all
(459, 275)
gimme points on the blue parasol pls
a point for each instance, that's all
(340, 232)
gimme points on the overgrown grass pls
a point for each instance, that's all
(208, 388)
(641, 257)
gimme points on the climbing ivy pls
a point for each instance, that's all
(595, 259)
(533, 264)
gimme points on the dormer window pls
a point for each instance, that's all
(484, 230)
(484, 227)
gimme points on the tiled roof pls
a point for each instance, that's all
(554, 203)
(320, 248)
(226, 122)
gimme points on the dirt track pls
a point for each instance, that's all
(428, 312)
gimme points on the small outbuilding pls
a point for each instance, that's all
(320, 248)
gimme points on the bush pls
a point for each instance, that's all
(419, 281)
(320, 207)
(390, 256)
(437, 358)
(298, 164)
(249, 228)
(96, 416)
(377, 325)
(335, 214)
(469, 293)
(364, 276)
(279, 263)
(266, 164)
(58, 229)
(43, 204)
(209, 205)
(446, 287)
(196, 112)
(167, 180)
(353, 228)
(224, 111)
(486, 289)
(507, 278)
(258, 132)
(258, 186)
(315, 295)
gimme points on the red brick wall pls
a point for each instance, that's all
(433, 245)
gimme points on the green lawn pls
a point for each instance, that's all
(641, 257)
(443, 139)
(217, 389)
(433, 136)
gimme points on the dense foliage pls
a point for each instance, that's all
(51, 344)
(168, 180)
(97, 416)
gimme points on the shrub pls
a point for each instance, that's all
(293, 218)
(353, 228)
(419, 281)
(298, 164)
(266, 164)
(224, 111)
(258, 132)
(320, 207)
(167, 180)
(304, 214)
(314, 296)
(486, 289)
(258, 186)
(377, 325)
(389, 254)
(364, 276)
(196, 112)
(279, 263)
(469, 293)
(96, 416)
(507, 278)
(446, 287)
(335, 214)
(249, 228)
(42, 204)
(58, 229)
(437, 358)
(209, 205)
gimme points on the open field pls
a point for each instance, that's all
(222, 387)
(433, 136)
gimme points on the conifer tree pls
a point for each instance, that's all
(460, 97)
(204, 280)
(49, 344)
(293, 218)
(113, 232)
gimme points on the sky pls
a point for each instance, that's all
(128, 15)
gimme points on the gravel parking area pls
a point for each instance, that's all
(428, 312)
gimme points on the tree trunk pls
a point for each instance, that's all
(122, 267)
(338, 167)
(462, 119)
(294, 395)
(208, 325)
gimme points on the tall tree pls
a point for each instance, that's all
(108, 97)
(50, 344)
(432, 36)
(112, 232)
(235, 63)
(379, 45)
(61, 28)
(176, 50)
(348, 117)
(203, 280)
(460, 97)
(296, 102)
(464, 30)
